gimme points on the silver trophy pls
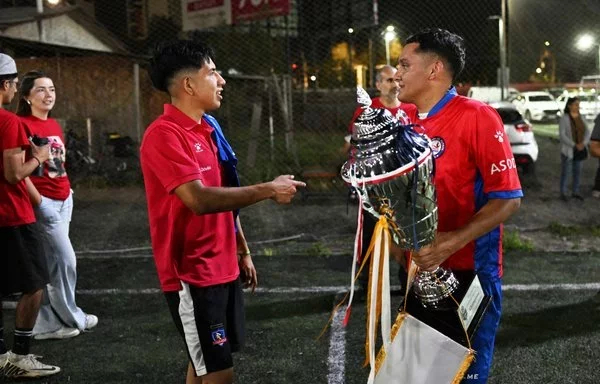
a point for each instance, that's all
(392, 166)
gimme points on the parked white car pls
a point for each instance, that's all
(520, 133)
(491, 94)
(537, 106)
(589, 104)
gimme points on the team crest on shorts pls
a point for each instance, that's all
(218, 336)
(438, 146)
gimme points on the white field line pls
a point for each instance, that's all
(342, 289)
(336, 359)
(137, 249)
(111, 255)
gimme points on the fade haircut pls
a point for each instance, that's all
(171, 58)
(447, 45)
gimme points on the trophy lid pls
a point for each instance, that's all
(383, 148)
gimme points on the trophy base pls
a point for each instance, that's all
(473, 304)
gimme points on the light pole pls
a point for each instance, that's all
(388, 36)
(587, 41)
(502, 78)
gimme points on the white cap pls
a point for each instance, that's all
(7, 65)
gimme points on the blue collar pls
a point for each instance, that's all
(440, 104)
(226, 154)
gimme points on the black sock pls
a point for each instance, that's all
(22, 340)
(3, 349)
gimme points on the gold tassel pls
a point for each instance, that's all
(464, 367)
(380, 227)
(382, 352)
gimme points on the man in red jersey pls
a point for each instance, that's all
(387, 99)
(475, 177)
(22, 264)
(193, 195)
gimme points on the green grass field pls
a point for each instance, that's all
(548, 130)
(549, 334)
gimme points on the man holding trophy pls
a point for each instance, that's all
(475, 177)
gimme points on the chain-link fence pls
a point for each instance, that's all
(290, 76)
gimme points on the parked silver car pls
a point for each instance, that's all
(520, 133)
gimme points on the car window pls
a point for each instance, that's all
(540, 98)
(509, 115)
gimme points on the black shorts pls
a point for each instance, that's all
(22, 261)
(211, 321)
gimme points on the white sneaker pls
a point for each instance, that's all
(3, 360)
(61, 333)
(27, 366)
(596, 194)
(90, 321)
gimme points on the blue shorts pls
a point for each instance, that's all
(483, 341)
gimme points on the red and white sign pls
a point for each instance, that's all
(201, 14)
(246, 10)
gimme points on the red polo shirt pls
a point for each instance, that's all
(197, 249)
(15, 207)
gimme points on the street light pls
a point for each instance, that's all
(502, 74)
(388, 36)
(587, 41)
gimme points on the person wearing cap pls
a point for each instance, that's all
(22, 264)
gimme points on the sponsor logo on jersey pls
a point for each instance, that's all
(204, 169)
(438, 146)
(503, 165)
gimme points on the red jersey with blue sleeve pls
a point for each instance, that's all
(473, 164)
(197, 249)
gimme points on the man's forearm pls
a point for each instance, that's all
(202, 200)
(16, 170)
(492, 214)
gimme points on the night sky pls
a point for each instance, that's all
(530, 24)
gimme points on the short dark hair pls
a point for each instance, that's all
(449, 46)
(25, 87)
(570, 101)
(172, 57)
(9, 77)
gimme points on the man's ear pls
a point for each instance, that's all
(436, 69)
(184, 83)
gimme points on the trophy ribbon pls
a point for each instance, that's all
(378, 294)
